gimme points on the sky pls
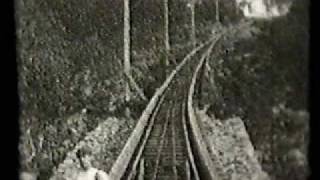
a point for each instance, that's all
(259, 8)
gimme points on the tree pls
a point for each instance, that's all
(126, 40)
(167, 54)
(193, 28)
(217, 12)
(127, 55)
(166, 30)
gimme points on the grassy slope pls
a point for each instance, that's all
(66, 50)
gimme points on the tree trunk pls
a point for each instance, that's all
(166, 31)
(136, 87)
(127, 44)
(217, 12)
(193, 26)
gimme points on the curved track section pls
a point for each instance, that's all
(166, 142)
(207, 169)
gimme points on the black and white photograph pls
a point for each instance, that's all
(163, 89)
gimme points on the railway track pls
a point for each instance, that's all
(166, 143)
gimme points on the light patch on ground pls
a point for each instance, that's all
(92, 174)
(28, 176)
(263, 9)
(229, 142)
(98, 147)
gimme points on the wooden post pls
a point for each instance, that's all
(188, 170)
(141, 170)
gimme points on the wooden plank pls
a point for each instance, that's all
(174, 158)
(188, 170)
(141, 170)
(164, 132)
(148, 132)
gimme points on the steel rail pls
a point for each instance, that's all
(201, 146)
(119, 167)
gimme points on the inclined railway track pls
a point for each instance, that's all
(163, 145)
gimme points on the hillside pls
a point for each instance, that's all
(70, 57)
